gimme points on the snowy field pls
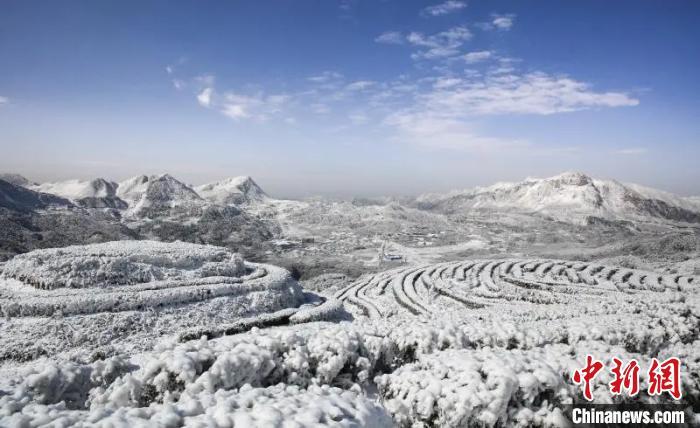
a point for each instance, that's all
(471, 308)
(147, 333)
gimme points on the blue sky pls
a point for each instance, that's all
(352, 97)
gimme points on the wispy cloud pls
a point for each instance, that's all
(632, 151)
(360, 85)
(204, 97)
(444, 44)
(325, 76)
(205, 79)
(450, 6)
(532, 93)
(447, 113)
(437, 104)
(258, 107)
(390, 37)
(436, 131)
(358, 118)
(478, 56)
(501, 22)
(4, 100)
(172, 68)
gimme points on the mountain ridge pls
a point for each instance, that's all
(570, 196)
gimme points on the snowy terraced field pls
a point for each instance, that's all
(494, 342)
(235, 344)
(126, 294)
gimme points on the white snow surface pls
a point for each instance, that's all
(232, 191)
(127, 294)
(566, 196)
(156, 193)
(465, 343)
(78, 189)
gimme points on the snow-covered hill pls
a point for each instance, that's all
(18, 198)
(151, 195)
(232, 191)
(78, 189)
(16, 179)
(97, 193)
(571, 196)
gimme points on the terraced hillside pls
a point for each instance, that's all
(470, 343)
(493, 284)
(495, 342)
(130, 292)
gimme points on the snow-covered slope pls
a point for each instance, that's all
(570, 196)
(18, 198)
(132, 188)
(16, 179)
(182, 285)
(151, 195)
(78, 189)
(694, 201)
(232, 191)
(97, 193)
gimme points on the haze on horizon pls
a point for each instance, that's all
(352, 97)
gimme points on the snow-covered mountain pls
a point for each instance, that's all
(78, 189)
(571, 196)
(18, 198)
(149, 195)
(232, 191)
(16, 179)
(97, 193)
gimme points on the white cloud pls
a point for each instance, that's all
(446, 82)
(632, 151)
(325, 76)
(358, 118)
(533, 93)
(258, 107)
(503, 22)
(360, 85)
(4, 100)
(445, 8)
(204, 97)
(235, 111)
(443, 44)
(390, 37)
(444, 114)
(178, 84)
(498, 22)
(434, 130)
(478, 56)
(206, 80)
(320, 108)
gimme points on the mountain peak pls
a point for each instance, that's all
(151, 194)
(16, 179)
(232, 191)
(19, 198)
(79, 189)
(573, 178)
(570, 196)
